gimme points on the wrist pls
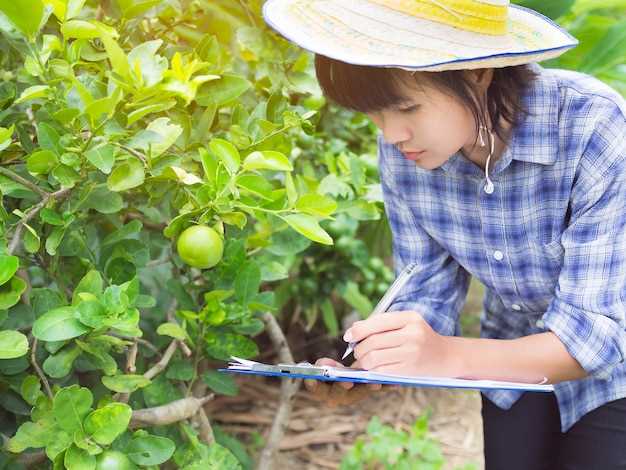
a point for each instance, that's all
(457, 360)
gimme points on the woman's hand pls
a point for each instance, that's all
(338, 393)
(402, 343)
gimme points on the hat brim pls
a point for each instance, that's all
(366, 33)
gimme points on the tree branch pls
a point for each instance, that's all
(32, 212)
(162, 364)
(23, 181)
(288, 389)
(173, 412)
(33, 361)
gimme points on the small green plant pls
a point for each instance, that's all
(388, 448)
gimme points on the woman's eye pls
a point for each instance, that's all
(410, 109)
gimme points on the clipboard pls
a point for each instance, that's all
(304, 370)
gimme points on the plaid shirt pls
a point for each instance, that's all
(549, 243)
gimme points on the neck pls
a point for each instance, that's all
(478, 155)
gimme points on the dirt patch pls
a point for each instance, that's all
(317, 436)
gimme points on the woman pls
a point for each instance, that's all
(491, 166)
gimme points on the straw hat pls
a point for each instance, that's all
(431, 35)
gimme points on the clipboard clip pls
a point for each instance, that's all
(301, 368)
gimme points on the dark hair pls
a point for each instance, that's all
(369, 89)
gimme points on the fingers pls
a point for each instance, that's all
(380, 323)
(326, 361)
(385, 340)
(377, 358)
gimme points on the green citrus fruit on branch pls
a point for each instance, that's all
(200, 246)
(114, 460)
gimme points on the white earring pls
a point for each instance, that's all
(480, 135)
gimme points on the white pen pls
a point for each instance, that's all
(388, 298)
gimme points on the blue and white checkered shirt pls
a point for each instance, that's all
(549, 243)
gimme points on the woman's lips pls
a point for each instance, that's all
(413, 155)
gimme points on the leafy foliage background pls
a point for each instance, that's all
(122, 124)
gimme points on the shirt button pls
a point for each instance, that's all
(516, 307)
(498, 255)
(540, 324)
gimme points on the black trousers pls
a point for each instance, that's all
(528, 436)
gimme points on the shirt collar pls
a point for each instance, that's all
(536, 137)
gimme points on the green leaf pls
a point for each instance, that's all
(222, 91)
(99, 356)
(224, 345)
(66, 175)
(104, 201)
(128, 175)
(79, 459)
(256, 185)
(553, 9)
(31, 389)
(316, 204)
(247, 282)
(31, 435)
(173, 330)
(70, 406)
(227, 153)
(220, 382)
(139, 113)
(26, 15)
(92, 313)
(124, 232)
(353, 296)
(11, 292)
(51, 217)
(330, 317)
(80, 29)
(309, 227)
(41, 162)
(60, 364)
(150, 450)
(125, 383)
(151, 66)
(133, 8)
(8, 267)
(12, 344)
(609, 51)
(105, 424)
(158, 137)
(91, 283)
(54, 240)
(117, 56)
(267, 160)
(58, 324)
(32, 93)
(6, 136)
(102, 157)
(48, 138)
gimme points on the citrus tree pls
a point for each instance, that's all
(146, 173)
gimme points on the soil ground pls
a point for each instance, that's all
(317, 436)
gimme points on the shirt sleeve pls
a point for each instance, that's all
(438, 288)
(588, 312)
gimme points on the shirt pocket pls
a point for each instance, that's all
(552, 250)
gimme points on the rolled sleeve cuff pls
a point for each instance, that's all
(596, 341)
(440, 321)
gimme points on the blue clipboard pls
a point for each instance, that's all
(333, 374)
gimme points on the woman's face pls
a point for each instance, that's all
(431, 122)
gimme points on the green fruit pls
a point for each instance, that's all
(200, 246)
(369, 288)
(381, 288)
(369, 275)
(114, 460)
(376, 264)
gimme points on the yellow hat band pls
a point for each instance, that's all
(470, 15)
